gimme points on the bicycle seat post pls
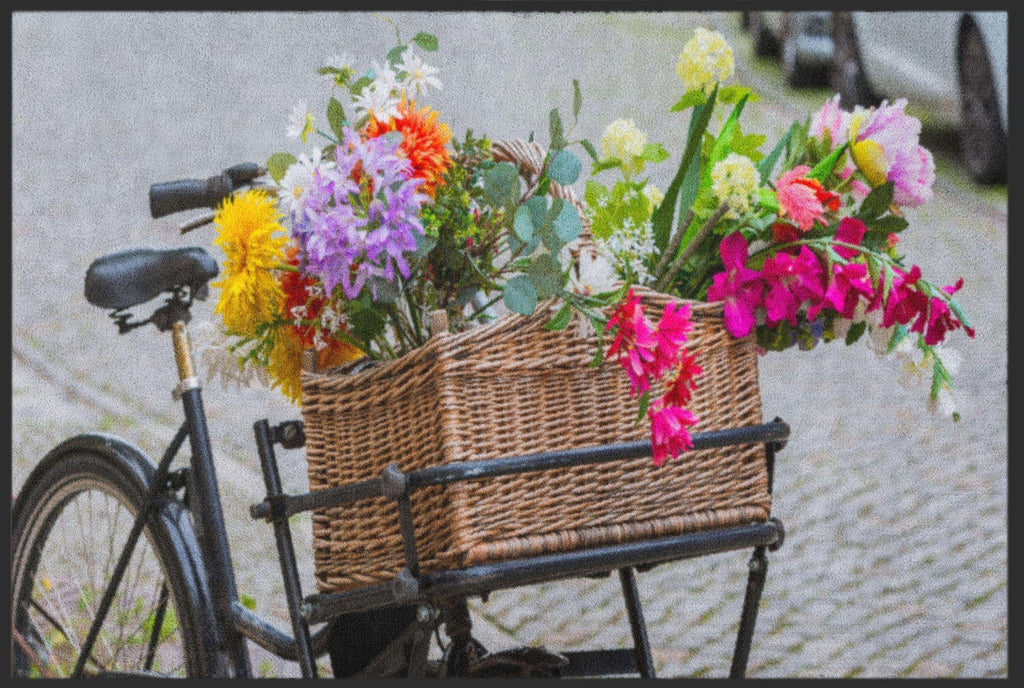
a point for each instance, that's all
(208, 515)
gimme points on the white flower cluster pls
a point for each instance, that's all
(914, 365)
(382, 96)
(298, 180)
(212, 347)
(628, 247)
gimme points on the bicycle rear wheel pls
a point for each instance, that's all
(70, 526)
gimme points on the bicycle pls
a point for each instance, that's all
(146, 586)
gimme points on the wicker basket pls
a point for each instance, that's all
(512, 388)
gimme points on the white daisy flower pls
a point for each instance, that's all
(378, 98)
(419, 75)
(300, 123)
(298, 180)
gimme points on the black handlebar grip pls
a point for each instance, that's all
(171, 197)
(245, 172)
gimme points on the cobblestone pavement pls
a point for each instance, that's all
(895, 560)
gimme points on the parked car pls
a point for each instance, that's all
(801, 41)
(953, 65)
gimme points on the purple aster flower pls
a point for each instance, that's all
(361, 218)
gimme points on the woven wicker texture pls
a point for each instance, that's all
(511, 388)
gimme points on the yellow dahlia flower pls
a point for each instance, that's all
(706, 60)
(285, 363)
(247, 231)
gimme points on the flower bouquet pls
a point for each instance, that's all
(385, 254)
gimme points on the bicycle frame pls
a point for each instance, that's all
(235, 623)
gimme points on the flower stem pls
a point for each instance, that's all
(702, 234)
(673, 246)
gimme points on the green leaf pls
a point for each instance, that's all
(723, 142)
(556, 131)
(959, 313)
(654, 152)
(424, 245)
(663, 216)
(577, 99)
(887, 224)
(366, 323)
(565, 168)
(876, 202)
(824, 168)
(520, 295)
(589, 147)
(501, 185)
(529, 218)
(395, 54)
(899, 332)
(278, 164)
(567, 223)
(735, 93)
(546, 275)
(644, 403)
(856, 330)
(561, 319)
(247, 601)
(606, 164)
(336, 117)
(690, 99)
(426, 41)
(360, 83)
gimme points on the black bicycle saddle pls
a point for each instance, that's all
(128, 278)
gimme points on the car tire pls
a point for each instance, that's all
(764, 43)
(982, 139)
(847, 73)
(794, 70)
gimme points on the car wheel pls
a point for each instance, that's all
(764, 42)
(794, 70)
(847, 73)
(982, 140)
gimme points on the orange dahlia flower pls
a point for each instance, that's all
(423, 141)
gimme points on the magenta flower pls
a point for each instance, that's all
(741, 288)
(669, 431)
(680, 390)
(671, 335)
(849, 283)
(906, 301)
(635, 343)
(791, 281)
(850, 231)
(940, 318)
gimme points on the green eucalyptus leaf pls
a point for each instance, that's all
(529, 218)
(567, 223)
(501, 185)
(520, 295)
(565, 168)
(278, 164)
(547, 276)
(426, 41)
(336, 117)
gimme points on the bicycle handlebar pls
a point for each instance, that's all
(171, 197)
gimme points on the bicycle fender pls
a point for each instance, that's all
(168, 510)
